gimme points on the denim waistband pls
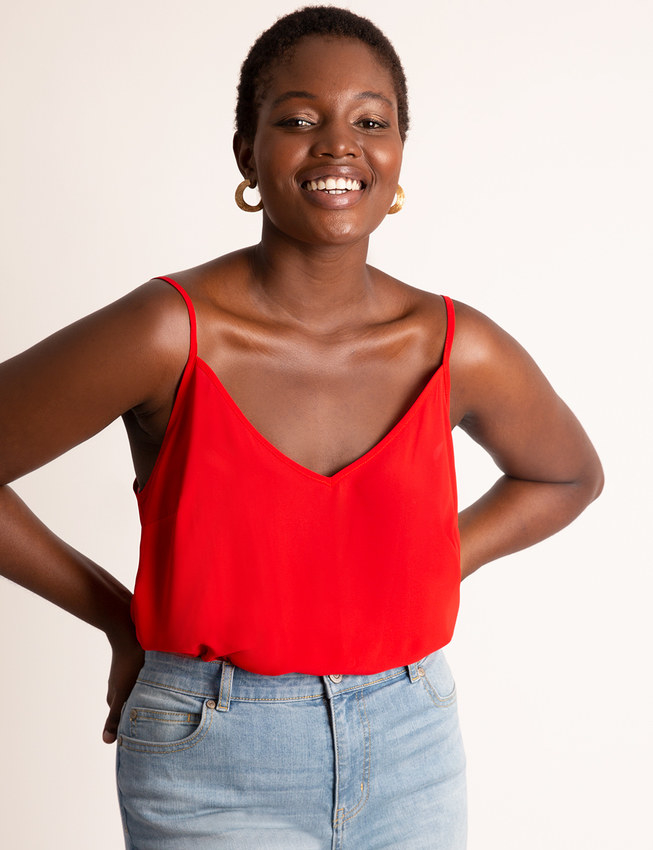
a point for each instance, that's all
(221, 681)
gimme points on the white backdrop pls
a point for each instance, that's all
(529, 186)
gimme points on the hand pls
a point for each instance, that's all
(126, 664)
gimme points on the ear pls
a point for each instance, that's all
(244, 153)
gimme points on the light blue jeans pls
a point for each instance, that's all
(211, 756)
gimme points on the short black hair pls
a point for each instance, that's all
(282, 37)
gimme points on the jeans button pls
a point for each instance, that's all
(335, 677)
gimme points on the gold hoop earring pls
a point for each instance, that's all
(240, 200)
(399, 202)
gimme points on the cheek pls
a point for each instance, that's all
(389, 160)
(275, 175)
(385, 160)
(389, 166)
(278, 158)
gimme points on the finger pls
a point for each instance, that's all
(111, 726)
(108, 736)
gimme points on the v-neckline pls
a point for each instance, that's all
(329, 480)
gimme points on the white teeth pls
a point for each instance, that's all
(334, 185)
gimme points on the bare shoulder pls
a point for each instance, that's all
(480, 343)
(501, 398)
(489, 368)
(68, 387)
(214, 284)
(217, 281)
(157, 314)
(412, 296)
(425, 312)
(475, 331)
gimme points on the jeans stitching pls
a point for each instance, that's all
(278, 699)
(160, 716)
(360, 686)
(152, 748)
(337, 820)
(172, 716)
(210, 694)
(226, 679)
(440, 702)
(360, 700)
(166, 687)
(230, 682)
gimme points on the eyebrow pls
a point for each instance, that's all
(306, 95)
(290, 95)
(374, 95)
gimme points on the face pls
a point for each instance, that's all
(327, 152)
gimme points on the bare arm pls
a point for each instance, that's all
(128, 356)
(550, 469)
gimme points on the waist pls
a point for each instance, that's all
(221, 680)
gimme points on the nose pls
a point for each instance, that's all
(337, 140)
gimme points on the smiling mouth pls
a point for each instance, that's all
(333, 185)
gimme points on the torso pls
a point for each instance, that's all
(323, 399)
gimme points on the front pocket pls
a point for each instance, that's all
(161, 727)
(438, 680)
(161, 720)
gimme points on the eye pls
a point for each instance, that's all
(372, 124)
(296, 121)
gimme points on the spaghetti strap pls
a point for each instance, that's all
(192, 354)
(143, 492)
(451, 326)
(448, 342)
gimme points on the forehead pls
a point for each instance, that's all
(330, 64)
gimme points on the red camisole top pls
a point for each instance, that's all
(247, 555)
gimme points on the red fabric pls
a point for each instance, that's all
(248, 555)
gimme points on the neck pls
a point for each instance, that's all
(317, 286)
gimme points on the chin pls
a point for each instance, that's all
(335, 229)
(340, 232)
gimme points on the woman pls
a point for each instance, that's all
(301, 551)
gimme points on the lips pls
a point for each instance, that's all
(334, 179)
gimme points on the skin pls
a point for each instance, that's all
(321, 352)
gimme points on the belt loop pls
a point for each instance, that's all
(413, 672)
(226, 679)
